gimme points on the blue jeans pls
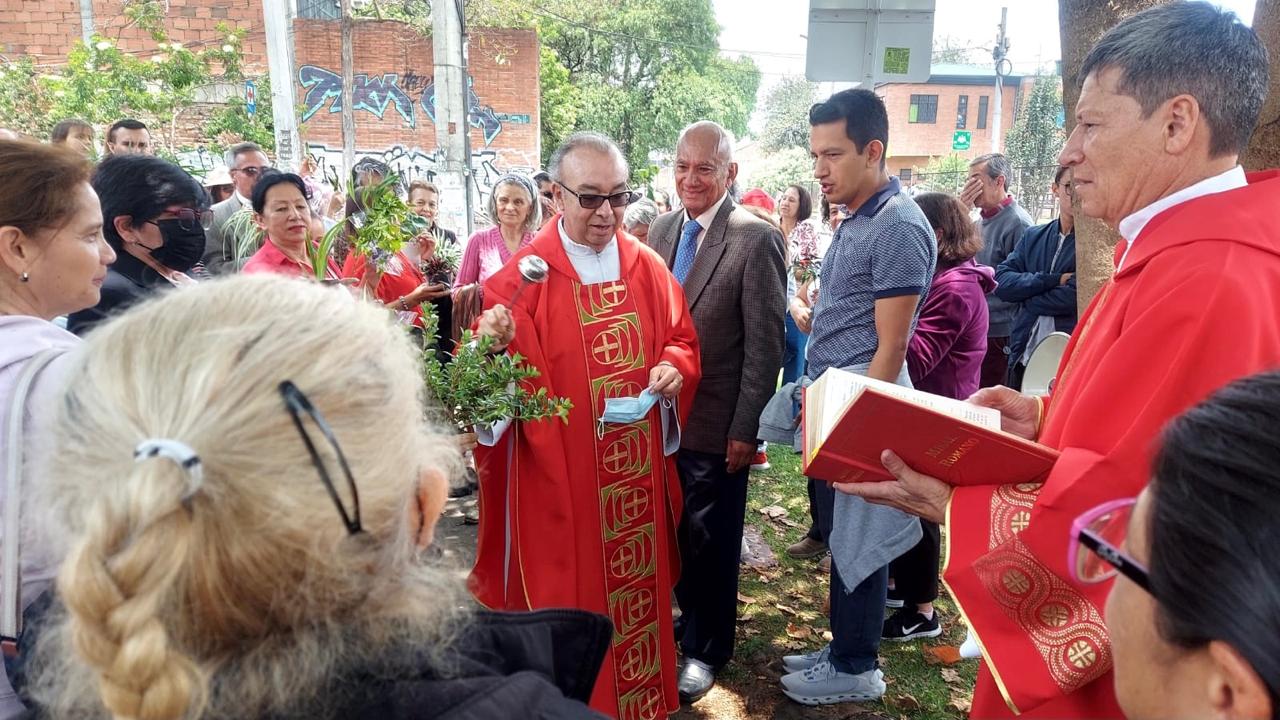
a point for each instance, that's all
(793, 356)
(857, 618)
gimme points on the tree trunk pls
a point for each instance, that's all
(1082, 23)
(1264, 146)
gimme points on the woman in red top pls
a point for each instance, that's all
(401, 286)
(281, 210)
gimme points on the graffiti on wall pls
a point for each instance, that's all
(377, 94)
(415, 164)
(372, 95)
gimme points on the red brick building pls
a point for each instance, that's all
(394, 92)
(924, 117)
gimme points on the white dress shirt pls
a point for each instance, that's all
(592, 267)
(705, 219)
(1132, 226)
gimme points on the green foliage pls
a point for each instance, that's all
(946, 173)
(645, 69)
(244, 233)
(385, 222)
(561, 101)
(233, 123)
(102, 83)
(786, 111)
(1034, 142)
(788, 166)
(478, 388)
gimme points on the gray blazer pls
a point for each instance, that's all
(736, 291)
(219, 253)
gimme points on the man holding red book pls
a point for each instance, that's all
(1169, 100)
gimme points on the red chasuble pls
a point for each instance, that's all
(1196, 305)
(584, 515)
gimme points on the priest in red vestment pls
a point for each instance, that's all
(1194, 303)
(584, 514)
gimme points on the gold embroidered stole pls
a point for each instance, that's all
(617, 367)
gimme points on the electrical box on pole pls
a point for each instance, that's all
(869, 41)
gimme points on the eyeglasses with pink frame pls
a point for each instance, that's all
(1087, 533)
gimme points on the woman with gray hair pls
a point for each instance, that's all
(514, 208)
(638, 218)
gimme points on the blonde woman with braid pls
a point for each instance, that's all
(246, 482)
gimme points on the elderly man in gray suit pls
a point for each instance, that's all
(731, 265)
(246, 162)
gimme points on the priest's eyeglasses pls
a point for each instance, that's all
(591, 202)
(1094, 554)
(298, 405)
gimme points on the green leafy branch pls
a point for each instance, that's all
(477, 387)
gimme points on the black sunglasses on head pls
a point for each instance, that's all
(298, 405)
(591, 202)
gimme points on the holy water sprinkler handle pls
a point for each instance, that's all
(533, 269)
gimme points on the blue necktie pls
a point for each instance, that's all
(687, 249)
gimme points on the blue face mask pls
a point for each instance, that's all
(628, 409)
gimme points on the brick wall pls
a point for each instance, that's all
(47, 29)
(397, 64)
(395, 87)
(912, 144)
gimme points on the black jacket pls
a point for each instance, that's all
(1031, 278)
(536, 666)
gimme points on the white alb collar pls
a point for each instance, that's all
(573, 247)
(1131, 227)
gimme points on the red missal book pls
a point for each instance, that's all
(850, 419)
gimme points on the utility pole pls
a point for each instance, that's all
(348, 81)
(447, 46)
(278, 21)
(1003, 67)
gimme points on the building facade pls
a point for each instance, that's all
(925, 117)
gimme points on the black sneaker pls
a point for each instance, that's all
(893, 600)
(908, 624)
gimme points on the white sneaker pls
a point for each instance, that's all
(823, 684)
(796, 663)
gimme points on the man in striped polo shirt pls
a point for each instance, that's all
(874, 277)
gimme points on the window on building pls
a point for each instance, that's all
(319, 9)
(905, 175)
(924, 109)
(962, 112)
(982, 112)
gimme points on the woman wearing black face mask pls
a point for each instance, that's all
(154, 217)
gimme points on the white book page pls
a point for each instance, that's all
(843, 387)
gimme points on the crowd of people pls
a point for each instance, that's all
(220, 479)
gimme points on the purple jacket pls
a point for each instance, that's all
(946, 351)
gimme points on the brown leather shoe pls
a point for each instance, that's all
(806, 548)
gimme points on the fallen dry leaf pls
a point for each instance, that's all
(773, 512)
(961, 701)
(785, 608)
(798, 632)
(746, 599)
(951, 677)
(944, 654)
(906, 702)
(789, 522)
